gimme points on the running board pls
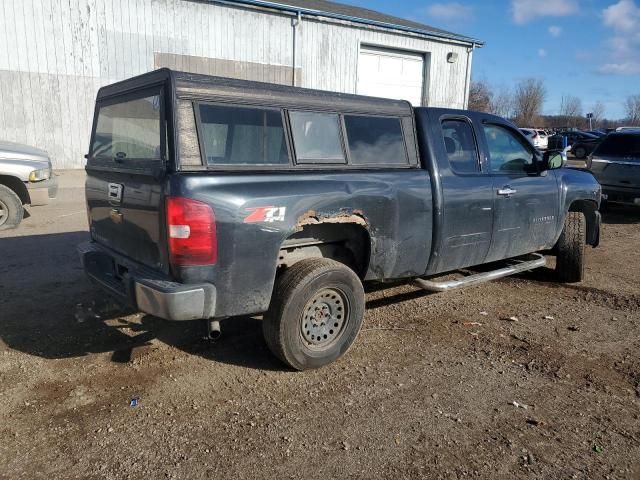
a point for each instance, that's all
(517, 265)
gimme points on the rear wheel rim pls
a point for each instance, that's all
(324, 318)
(4, 213)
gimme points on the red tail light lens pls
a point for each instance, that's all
(191, 228)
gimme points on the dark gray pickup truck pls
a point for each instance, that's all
(211, 198)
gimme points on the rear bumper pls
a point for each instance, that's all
(628, 196)
(145, 289)
(41, 193)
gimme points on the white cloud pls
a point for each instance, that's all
(542, 52)
(623, 47)
(625, 68)
(524, 11)
(555, 30)
(450, 12)
(623, 17)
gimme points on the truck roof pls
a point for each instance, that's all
(208, 87)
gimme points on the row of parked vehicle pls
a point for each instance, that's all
(613, 156)
(580, 143)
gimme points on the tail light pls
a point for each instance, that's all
(191, 228)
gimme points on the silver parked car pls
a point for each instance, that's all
(26, 178)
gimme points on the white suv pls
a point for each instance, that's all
(538, 137)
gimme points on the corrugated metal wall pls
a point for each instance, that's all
(55, 54)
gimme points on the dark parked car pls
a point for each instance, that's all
(211, 198)
(581, 143)
(616, 165)
(597, 133)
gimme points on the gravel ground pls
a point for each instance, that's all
(520, 378)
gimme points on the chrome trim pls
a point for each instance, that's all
(507, 191)
(521, 264)
(616, 162)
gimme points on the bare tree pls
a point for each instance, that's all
(502, 104)
(598, 110)
(528, 100)
(480, 96)
(632, 109)
(571, 107)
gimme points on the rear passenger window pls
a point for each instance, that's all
(316, 137)
(375, 140)
(460, 145)
(242, 136)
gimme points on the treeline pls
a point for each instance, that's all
(523, 105)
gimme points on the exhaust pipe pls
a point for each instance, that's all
(213, 329)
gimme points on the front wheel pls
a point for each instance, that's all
(11, 210)
(315, 314)
(570, 249)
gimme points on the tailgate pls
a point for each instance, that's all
(616, 173)
(125, 167)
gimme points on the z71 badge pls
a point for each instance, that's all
(265, 214)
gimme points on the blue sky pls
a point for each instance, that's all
(586, 48)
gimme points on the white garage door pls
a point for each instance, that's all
(391, 74)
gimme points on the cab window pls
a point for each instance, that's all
(460, 145)
(507, 151)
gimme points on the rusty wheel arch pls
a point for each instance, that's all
(343, 236)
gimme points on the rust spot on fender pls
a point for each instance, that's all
(344, 216)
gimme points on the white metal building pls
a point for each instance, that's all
(55, 54)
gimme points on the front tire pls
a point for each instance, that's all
(315, 314)
(11, 209)
(570, 249)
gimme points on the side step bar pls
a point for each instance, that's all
(516, 265)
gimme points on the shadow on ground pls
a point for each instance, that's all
(51, 310)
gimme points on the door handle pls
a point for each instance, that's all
(506, 191)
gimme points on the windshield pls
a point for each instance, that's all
(128, 130)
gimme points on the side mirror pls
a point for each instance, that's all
(552, 160)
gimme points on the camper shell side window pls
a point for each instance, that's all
(234, 136)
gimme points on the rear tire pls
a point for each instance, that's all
(570, 249)
(315, 314)
(11, 209)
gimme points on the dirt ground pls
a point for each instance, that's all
(424, 393)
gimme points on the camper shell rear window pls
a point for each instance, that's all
(129, 131)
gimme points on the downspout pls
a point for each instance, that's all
(294, 23)
(467, 84)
